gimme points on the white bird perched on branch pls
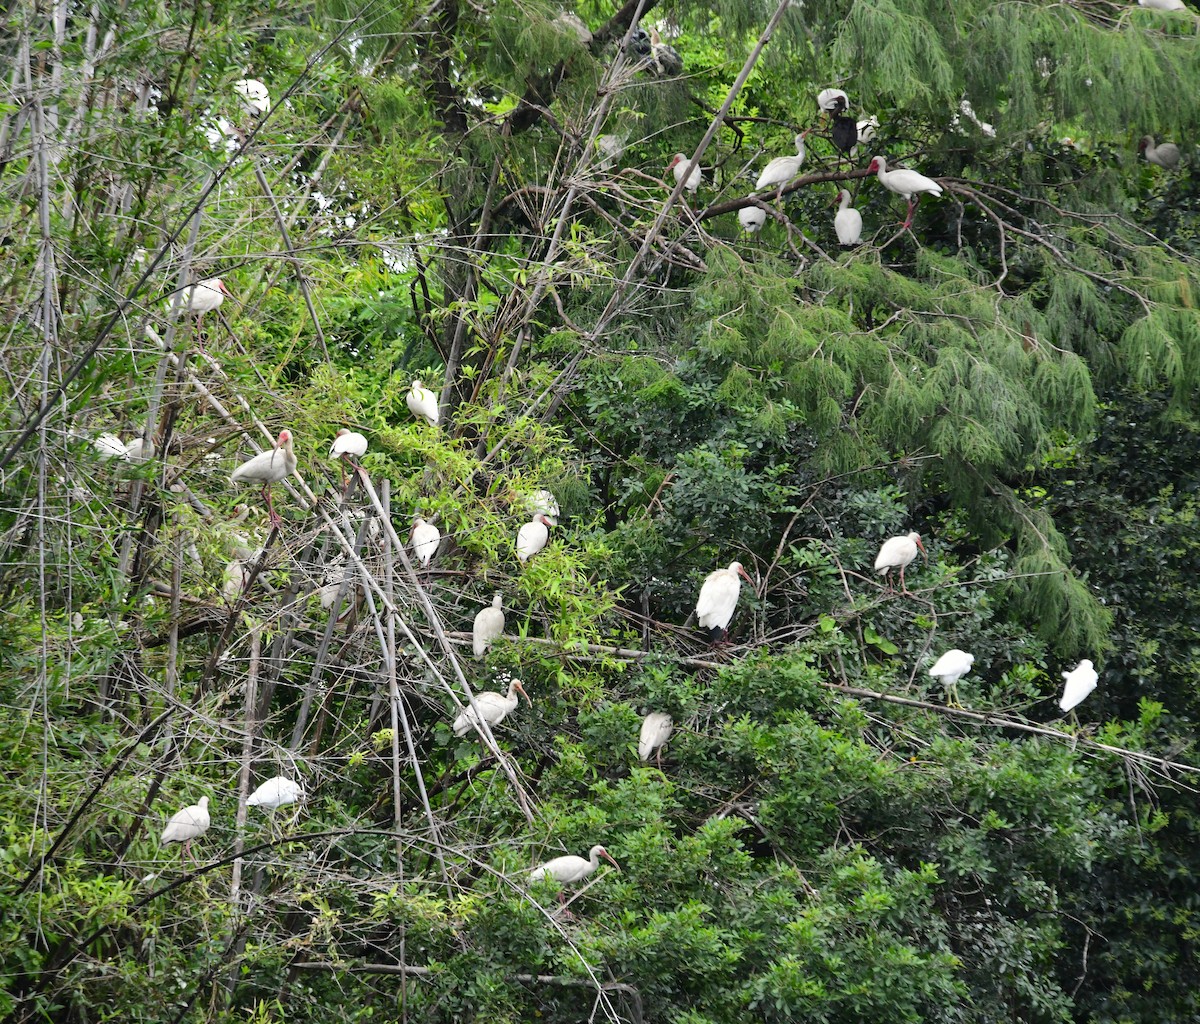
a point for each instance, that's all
(570, 868)
(110, 446)
(425, 538)
(254, 94)
(275, 793)
(833, 101)
(656, 730)
(203, 297)
(896, 553)
(1164, 5)
(543, 503)
(489, 624)
(186, 825)
(422, 403)
(1078, 683)
(950, 668)
(906, 183)
(678, 167)
(493, 708)
(532, 537)
(782, 169)
(1165, 155)
(847, 222)
(718, 597)
(347, 446)
(752, 218)
(267, 468)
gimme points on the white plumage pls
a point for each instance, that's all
(950, 668)
(275, 793)
(833, 101)
(909, 184)
(186, 825)
(847, 222)
(422, 403)
(896, 553)
(489, 624)
(656, 730)
(110, 446)
(611, 148)
(493, 707)
(267, 468)
(752, 218)
(233, 581)
(1078, 683)
(203, 297)
(782, 169)
(1164, 5)
(866, 129)
(532, 537)
(543, 503)
(570, 868)
(254, 94)
(678, 166)
(425, 538)
(1165, 154)
(348, 442)
(718, 597)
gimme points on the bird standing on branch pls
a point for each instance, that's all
(718, 597)
(267, 468)
(186, 825)
(896, 553)
(906, 183)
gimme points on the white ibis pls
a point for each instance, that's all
(718, 597)
(204, 297)
(543, 503)
(489, 624)
(1164, 5)
(493, 708)
(186, 825)
(255, 97)
(752, 218)
(906, 183)
(656, 730)
(896, 553)
(347, 446)
(847, 222)
(532, 537)
(422, 403)
(678, 166)
(1078, 683)
(268, 468)
(425, 538)
(968, 112)
(866, 131)
(782, 169)
(1166, 154)
(276, 793)
(233, 580)
(833, 101)
(950, 668)
(110, 446)
(570, 868)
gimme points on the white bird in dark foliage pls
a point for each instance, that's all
(656, 730)
(422, 403)
(847, 222)
(896, 553)
(203, 297)
(255, 97)
(906, 183)
(1078, 683)
(425, 538)
(276, 793)
(570, 868)
(493, 707)
(752, 218)
(1165, 154)
(833, 101)
(267, 468)
(186, 825)
(782, 169)
(532, 537)
(489, 624)
(1164, 5)
(543, 503)
(678, 166)
(718, 597)
(950, 668)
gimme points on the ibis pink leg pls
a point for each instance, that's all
(272, 514)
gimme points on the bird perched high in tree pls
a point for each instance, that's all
(718, 597)
(186, 825)
(267, 468)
